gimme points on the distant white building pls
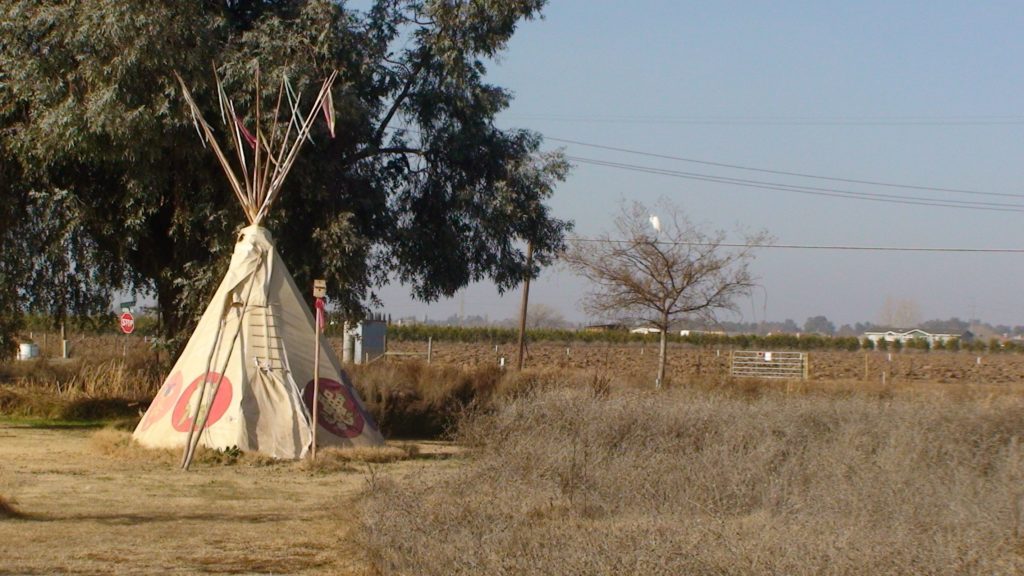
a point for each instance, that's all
(646, 330)
(910, 335)
(685, 333)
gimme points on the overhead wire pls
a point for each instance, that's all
(808, 190)
(794, 188)
(828, 192)
(837, 247)
(780, 172)
(782, 120)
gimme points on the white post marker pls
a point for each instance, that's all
(319, 293)
(63, 342)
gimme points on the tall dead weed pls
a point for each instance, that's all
(697, 482)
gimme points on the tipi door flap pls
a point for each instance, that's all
(277, 424)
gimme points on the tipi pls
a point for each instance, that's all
(245, 378)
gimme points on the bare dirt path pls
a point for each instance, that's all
(88, 513)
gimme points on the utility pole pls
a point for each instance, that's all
(523, 306)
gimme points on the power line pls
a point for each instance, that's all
(843, 247)
(781, 120)
(782, 172)
(809, 190)
(795, 188)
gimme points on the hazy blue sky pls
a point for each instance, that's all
(922, 93)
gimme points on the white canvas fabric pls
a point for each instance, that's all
(254, 345)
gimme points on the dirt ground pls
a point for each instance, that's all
(639, 361)
(88, 513)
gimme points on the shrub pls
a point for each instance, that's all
(8, 510)
(918, 344)
(782, 341)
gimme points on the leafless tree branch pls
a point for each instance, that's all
(660, 276)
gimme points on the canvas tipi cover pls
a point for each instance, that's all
(254, 347)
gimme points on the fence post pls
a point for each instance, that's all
(63, 342)
(430, 348)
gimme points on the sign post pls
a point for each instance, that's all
(127, 322)
(319, 293)
(127, 326)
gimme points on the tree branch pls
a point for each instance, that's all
(375, 151)
(397, 104)
(657, 281)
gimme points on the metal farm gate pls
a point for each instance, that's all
(751, 364)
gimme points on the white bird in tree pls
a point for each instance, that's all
(655, 223)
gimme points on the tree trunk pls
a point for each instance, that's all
(172, 317)
(661, 354)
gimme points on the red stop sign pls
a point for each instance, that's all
(127, 323)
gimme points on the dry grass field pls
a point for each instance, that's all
(575, 466)
(89, 503)
(566, 481)
(687, 363)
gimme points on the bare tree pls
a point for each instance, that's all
(544, 316)
(658, 268)
(900, 313)
(538, 316)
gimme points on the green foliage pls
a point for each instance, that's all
(974, 346)
(146, 324)
(105, 182)
(804, 342)
(819, 325)
(850, 343)
(494, 335)
(918, 344)
(231, 454)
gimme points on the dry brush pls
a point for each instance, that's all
(697, 482)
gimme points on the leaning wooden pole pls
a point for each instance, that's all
(316, 382)
(186, 455)
(204, 415)
(200, 416)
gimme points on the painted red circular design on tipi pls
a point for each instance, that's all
(339, 412)
(181, 418)
(164, 400)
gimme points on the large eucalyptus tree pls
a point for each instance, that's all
(106, 185)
